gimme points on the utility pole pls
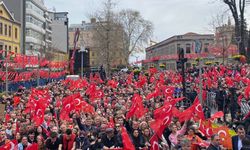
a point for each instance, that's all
(200, 80)
(38, 72)
(182, 60)
(82, 50)
(6, 77)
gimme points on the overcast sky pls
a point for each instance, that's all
(170, 17)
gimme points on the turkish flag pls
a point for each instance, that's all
(7, 117)
(91, 89)
(247, 91)
(206, 128)
(126, 141)
(198, 109)
(137, 108)
(32, 147)
(152, 71)
(224, 135)
(163, 111)
(154, 143)
(113, 83)
(218, 114)
(16, 100)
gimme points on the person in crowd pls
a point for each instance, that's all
(237, 140)
(31, 137)
(215, 143)
(23, 144)
(53, 142)
(245, 144)
(138, 140)
(193, 138)
(82, 142)
(68, 141)
(176, 132)
(40, 142)
(109, 139)
(185, 144)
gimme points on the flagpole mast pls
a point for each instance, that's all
(6, 77)
(200, 81)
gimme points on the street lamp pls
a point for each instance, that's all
(238, 40)
(82, 50)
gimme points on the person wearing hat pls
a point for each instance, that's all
(53, 142)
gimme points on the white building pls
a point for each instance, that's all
(37, 28)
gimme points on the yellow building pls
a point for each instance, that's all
(9, 31)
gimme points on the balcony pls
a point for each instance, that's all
(35, 27)
(35, 14)
(48, 30)
(30, 39)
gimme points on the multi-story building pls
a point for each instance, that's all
(88, 40)
(166, 52)
(224, 35)
(9, 31)
(35, 25)
(59, 26)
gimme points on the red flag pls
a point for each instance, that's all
(7, 117)
(247, 91)
(137, 109)
(163, 111)
(239, 100)
(32, 147)
(206, 128)
(113, 83)
(16, 100)
(218, 114)
(126, 141)
(154, 143)
(152, 71)
(198, 109)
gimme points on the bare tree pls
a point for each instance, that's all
(237, 8)
(107, 35)
(137, 32)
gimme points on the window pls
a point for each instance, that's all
(5, 30)
(93, 54)
(9, 31)
(9, 48)
(15, 49)
(188, 48)
(15, 33)
(1, 54)
(1, 28)
(6, 49)
(206, 47)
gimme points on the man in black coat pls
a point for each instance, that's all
(215, 143)
(237, 140)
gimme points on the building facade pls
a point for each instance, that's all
(59, 27)
(166, 52)
(225, 35)
(85, 39)
(35, 25)
(9, 31)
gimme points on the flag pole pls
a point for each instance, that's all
(6, 77)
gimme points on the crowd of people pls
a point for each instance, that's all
(132, 111)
